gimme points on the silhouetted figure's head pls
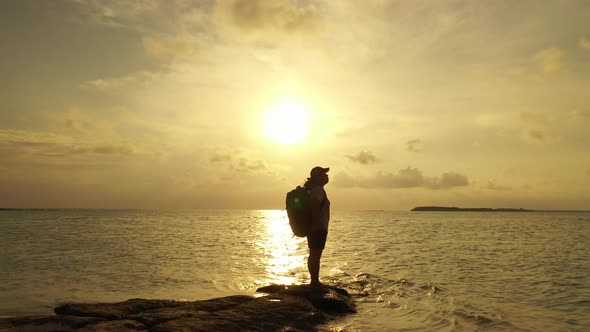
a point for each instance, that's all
(317, 177)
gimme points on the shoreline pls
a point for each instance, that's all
(277, 307)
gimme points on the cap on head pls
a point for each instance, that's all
(317, 171)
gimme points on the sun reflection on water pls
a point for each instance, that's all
(284, 254)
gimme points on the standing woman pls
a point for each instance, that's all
(320, 219)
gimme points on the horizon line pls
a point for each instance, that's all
(271, 209)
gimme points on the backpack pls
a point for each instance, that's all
(299, 210)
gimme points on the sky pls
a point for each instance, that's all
(229, 104)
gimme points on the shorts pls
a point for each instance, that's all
(316, 239)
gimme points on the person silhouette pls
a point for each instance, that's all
(320, 219)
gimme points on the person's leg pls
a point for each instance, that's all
(313, 265)
(316, 241)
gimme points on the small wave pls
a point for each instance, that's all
(473, 317)
(362, 284)
(582, 303)
(465, 319)
(377, 289)
(417, 303)
(431, 288)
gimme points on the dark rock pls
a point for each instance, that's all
(283, 308)
(259, 314)
(46, 323)
(118, 310)
(327, 298)
(119, 325)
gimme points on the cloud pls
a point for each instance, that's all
(124, 150)
(584, 43)
(404, 178)
(118, 8)
(263, 19)
(55, 145)
(39, 144)
(246, 166)
(345, 180)
(121, 83)
(580, 114)
(414, 145)
(550, 60)
(220, 157)
(493, 186)
(30, 138)
(148, 16)
(236, 162)
(169, 29)
(532, 117)
(363, 157)
(535, 135)
(72, 119)
(120, 14)
(449, 180)
(166, 47)
(72, 124)
(94, 126)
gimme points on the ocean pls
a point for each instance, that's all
(408, 271)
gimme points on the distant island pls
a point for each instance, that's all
(453, 209)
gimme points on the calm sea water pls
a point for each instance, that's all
(410, 271)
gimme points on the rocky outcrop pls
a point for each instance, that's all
(278, 308)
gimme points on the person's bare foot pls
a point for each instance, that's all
(317, 285)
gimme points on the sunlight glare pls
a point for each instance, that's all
(285, 256)
(286, 122)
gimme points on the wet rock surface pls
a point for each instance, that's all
(278, 308)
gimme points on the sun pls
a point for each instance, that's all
(286, 121)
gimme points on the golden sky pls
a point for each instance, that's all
(229, 104)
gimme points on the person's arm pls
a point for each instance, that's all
(316, 207)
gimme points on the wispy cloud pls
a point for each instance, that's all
(584, 43)
(580, 114)
(124, 150)
(170, 47)
(32, 138)
(493, 186)
(532, 117)
(551, 60)
(414, 145)
(245, 165)
(237, 162)
(217, 157)
(535, 135)
(267, 20)
(150, 16)
(56, 145)
(120, 84)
